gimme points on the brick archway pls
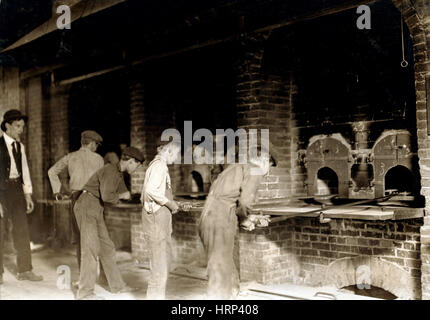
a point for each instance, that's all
(346, 272)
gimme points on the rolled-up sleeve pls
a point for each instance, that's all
(55, 170)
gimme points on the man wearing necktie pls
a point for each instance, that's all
(15, 193)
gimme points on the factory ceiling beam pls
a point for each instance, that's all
(299, 18)
(80, 10)
(306, 17)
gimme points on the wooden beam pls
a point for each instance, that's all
(332, 10)
(212, 42)
(39, 70)
(369, 213)
(408, 213)
(325, 12)
(89, 75)
(78, 11)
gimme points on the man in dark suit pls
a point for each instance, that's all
(15, 193)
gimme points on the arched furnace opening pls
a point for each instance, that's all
(401, 179)
(327, 182)
(197, 184)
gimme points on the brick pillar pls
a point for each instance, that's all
(416, 15)
(276, 105)
(146, 126)
(34, 145)
(249, 81)
(425, 259)
(137, 130)
(265, 102)
(59, 108)
(58, 114)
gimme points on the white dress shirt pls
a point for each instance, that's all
(157, 179)
(13, 174)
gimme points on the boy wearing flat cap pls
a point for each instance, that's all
(15, 193)
(105, 186)
(81, 165)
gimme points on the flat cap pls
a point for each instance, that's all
(90, 134)
(133, 153)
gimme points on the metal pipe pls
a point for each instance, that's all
(278, 294)
(179, 274)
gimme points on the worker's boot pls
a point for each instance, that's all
(29, 275)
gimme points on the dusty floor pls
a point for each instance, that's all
(46, 262)
(185, 283)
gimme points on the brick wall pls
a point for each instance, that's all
(258, 95)
(35, 149)
(139, 249)
(35, 109)
(58, 127)
(417, 19)
(47, 128)
(264, 102)
(63, 223)
(302, 250)
(425, 258)
(186, 245)
(118, 223)
(46, 141)
(147, 124)
(137, 130)
(186, 239)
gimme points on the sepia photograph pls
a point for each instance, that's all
(216, 155)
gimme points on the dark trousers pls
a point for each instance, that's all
(14, 205)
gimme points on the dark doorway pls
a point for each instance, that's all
(100, 104)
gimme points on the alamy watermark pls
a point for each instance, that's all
(253, 146)
(362, 276)
(64, 21)
(364, 20)
(64, 280)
